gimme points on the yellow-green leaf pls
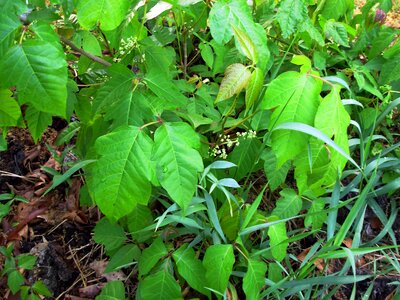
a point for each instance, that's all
(236, 79)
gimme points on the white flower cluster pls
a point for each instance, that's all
(220, 151)
(125, 48)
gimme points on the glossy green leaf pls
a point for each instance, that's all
(254, 279)
(8, 28)
(112, 236)
(295, 98)
(289, 205)
(124, 257)
(236, 79)
(108, 13)
(39, 71)
(218, 262)
(151, 255)
(178, 161)
(121, 177)
(10, 112)
(113, 290)
(291, 13)
(191, 268)
(254, 88)
(277, 235)
(160, 286)
(335, 9)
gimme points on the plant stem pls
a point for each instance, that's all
(84, 53)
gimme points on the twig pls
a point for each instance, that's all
(83, 52)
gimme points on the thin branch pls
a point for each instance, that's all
(83, 52)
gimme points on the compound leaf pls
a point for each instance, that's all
(121, 177)
(110, 235)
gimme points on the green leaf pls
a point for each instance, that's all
(254, 88)
(14, 281)
(165, 89)
(140, 218)
(337, 32)
(178, 163)
(236, 79)
(275, 176)
(390, 70)
(291, 13)
(277, 236)
(226, 14)
(10, 112)
(26, 261)
(191, 268)
(40, 288)
(289, 205)
(326, 163)
(207, 54)
(106, 12)
(124, 257)
(245, 156)
(218, 261)
(115, 90)
(8, 28)
(160, 286)
(112, 236)
(335, 9)
(150, 256)
(113, 290)
(254, 279)
(295, 98)
(121, 177)
(246, 45)
(316, 215)
(39, 71)
(37, 121)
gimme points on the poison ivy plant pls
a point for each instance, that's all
(275, 96)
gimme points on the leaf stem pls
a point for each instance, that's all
(84, 53)
(322, 79)
(150, 123)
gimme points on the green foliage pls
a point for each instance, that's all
(184, 111)
(13, 270)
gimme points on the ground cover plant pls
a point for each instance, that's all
(199, 149)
